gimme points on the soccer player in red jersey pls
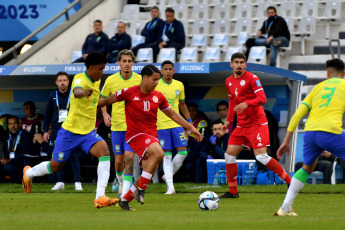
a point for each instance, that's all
(246, 97)
(141, 107)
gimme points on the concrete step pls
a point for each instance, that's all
(326, 50)
(341, 35)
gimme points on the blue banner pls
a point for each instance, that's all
(19, 18)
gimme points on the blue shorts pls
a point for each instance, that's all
(66, 143)
(317, 141)
(118, 139)
(170, 139)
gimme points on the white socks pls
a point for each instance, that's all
(178, 161)
(168, 170)
(295, 187)
(103, 172)
(229, 159)
(39, 170)
(263, 158)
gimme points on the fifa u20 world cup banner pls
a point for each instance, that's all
(19, 18)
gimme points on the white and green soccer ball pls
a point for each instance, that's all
(208, 201)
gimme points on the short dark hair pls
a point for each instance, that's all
(216, 122)
(61, 73)
(336, 64)
(95, 58)
(222, 103)
(125, 52)
(31, 103)
(12, 117)
(167, 62)
(154, 8)
(272, 8)
(238, 55)
(169, 9)
(192, 104)
(149, 70)
(97, 20)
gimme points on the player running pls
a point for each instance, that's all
(78, 131)
(141, 105)
(246, 97)
(124, 155)
(171, 135)
(323, 129)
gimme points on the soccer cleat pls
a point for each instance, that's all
(229, 195)
(104, 201)
(170, 191)
(140, 196)
(26, 182)
(281, 212)
(78, 186)
(125, 206)
(59, 186)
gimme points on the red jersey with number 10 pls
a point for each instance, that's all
(141, 110)
(248, 89)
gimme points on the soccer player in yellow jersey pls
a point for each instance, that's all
(323, 129)
(124, 155)
(171, 135)
(78, 131)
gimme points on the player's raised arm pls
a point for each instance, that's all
(107, 101)
(181, 121)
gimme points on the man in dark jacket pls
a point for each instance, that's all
(95, 42)
(274, 34)
(150, 31)
(214, 148)
(119, 42)
(18, 145)
(172, 34)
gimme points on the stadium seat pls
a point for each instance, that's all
(167, 54)
(162, 11)
(221, 26)
(76, 54)
(287, 9)
(130, 13)
(199, 12)
(189, 55)
(261, 11)
(199, 41)
(137, 39)
(221, 11)
(198, 2)
(144, 55)
(220, 40)
(257, 55)
(242, 25)
(178, 2)
(200, 27)
(211, 55)
(331, 12)
(136, 27)
(258, 24)
(111, 29)
(187, 27)
(309, 9)
(242, 38)
(243, 10)
(306, 27)
(231, 50)
(291, 25)
(181, 12)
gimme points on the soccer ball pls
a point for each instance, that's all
(208, 201)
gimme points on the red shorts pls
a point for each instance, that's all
(256, 136)
(139, 144)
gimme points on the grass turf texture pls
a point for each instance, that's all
(318, 206)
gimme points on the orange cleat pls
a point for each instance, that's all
(27, 183)
(104, 201)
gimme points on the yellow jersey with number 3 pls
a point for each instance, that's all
(326, 104)
(81, 118)
(113, 84)
(174, 93)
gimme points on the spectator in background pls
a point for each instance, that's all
(17, 145)
(222, 109)
(200, 122)
(172, 33)
(95, 42)
(55, 114)
(274, 34)
(214, 148)
(31, 116)
(150, 31)
(119, 42)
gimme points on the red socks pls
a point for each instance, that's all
(279, 170)
(231, 174)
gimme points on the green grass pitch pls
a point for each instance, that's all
(318, 207)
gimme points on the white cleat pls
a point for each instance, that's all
(78, 186)
(59, 186)
(281, 212)
(170, 191)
